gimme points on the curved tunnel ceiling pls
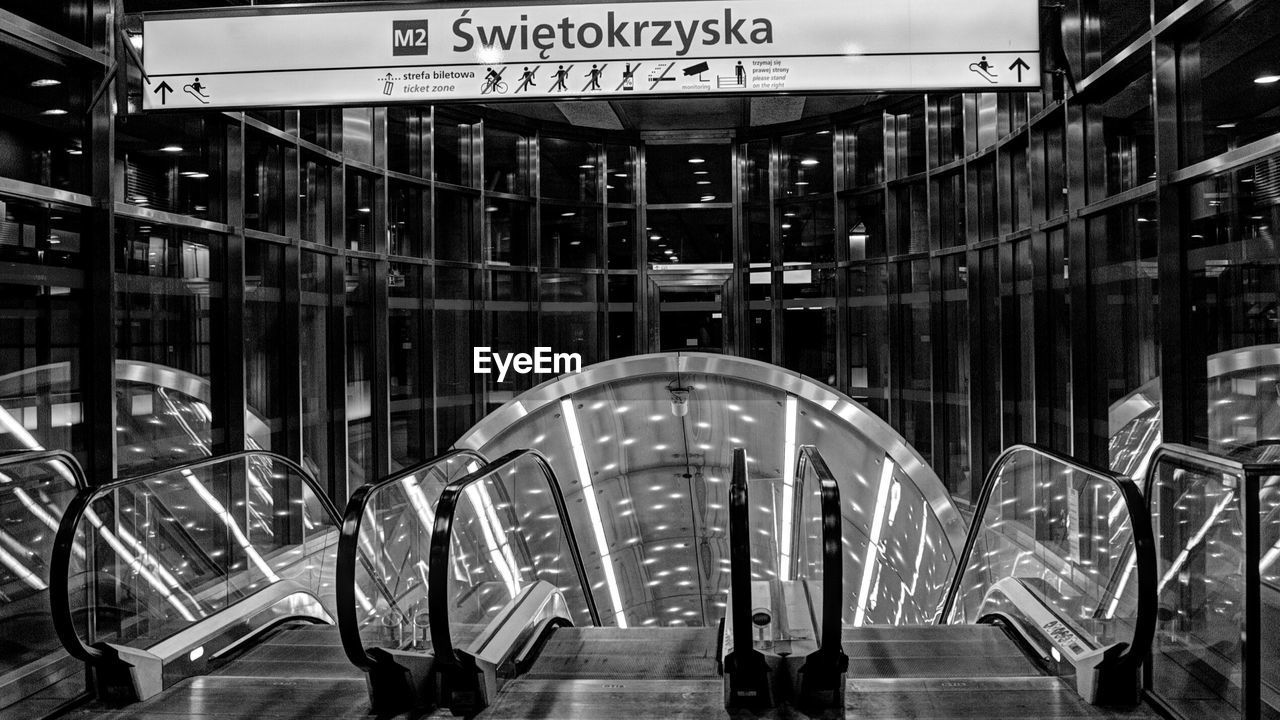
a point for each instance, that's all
(654, 525)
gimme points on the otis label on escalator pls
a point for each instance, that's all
(378, 54)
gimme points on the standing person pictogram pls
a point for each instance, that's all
(562, 75)
(594, 75)
(526, 79)
(740, 73)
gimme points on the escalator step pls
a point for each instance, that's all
(621, 653)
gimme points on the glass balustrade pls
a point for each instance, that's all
(148, 557)
(387, 551)
(497, 531)
(1066, 534)
(35, 489)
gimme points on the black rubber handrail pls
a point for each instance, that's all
(832, 545)
(64, 540)
(23, 457)
(442, 539)
(1139, 522)
(349, 555)
(745, 666)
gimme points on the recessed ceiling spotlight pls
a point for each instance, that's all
(54, 111)
(809, 162)
(1267, 79)
(696, 161)
(45, 82)
(171, 148)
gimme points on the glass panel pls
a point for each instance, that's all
(1122, 140)
(316, 198)
(508, 231)
(570, 236)
(264, 203)
(864, 154)
(1061, 531)
(909, 138)
(1229, 94)
(173, 164)
(624, 243)
(1196, 658)
(506, 162)
(915, 363)
(756, 157)
(690, 236)
(314, 368)
(455, 226)
(453, 142)
(949, 190)
(913, 218)
(162, 553)
(1125, 298)
(949, 123)
(508, 534)
(169, 303)
(569, 170)
(807, 231)
(405, 224)
(408, 141)
(395, 538)
(869, 337)
(805, 164)
(953, 399)
(264, 324)
(407, 369)
(457, 318)
(687, 173)
(620, 175)
(864, 225)
(360, 359)
(43, 134)
(33, 495)
(1233, 264)
(362, 201)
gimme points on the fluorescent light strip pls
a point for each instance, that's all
(873, 542)
(488, 526)
(788, 489)
(593, 508)
(22, 572)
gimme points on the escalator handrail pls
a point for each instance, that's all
(64, 540)
(740, 554)
(21, 457)
(1139, 523)
(442, 538)
(832, 543)
(349, 553)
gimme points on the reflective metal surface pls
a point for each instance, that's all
(653, 519)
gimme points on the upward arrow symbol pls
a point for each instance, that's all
(1020, 65)
(163, 91)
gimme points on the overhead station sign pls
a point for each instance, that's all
(377, 55)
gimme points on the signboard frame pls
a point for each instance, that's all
(1034, 61)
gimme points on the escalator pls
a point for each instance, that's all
(1039, 621)
(246, 628)
(1050, 612)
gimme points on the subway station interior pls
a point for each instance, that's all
(943, 403)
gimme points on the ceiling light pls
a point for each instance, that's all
(74, 151)
(45, 82)
(621, 175)
(567, 214)
(195, 175)
(364, 209)
(1267, 79)
(171, 148)
(655, 237)
(54, 111)
(802, 182)
(786, 226)
(586, 166)
(809, 162)
(1226, 125)
(703, 182)
(708, 198)
(696, 161)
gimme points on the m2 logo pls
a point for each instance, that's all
(408, 37)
